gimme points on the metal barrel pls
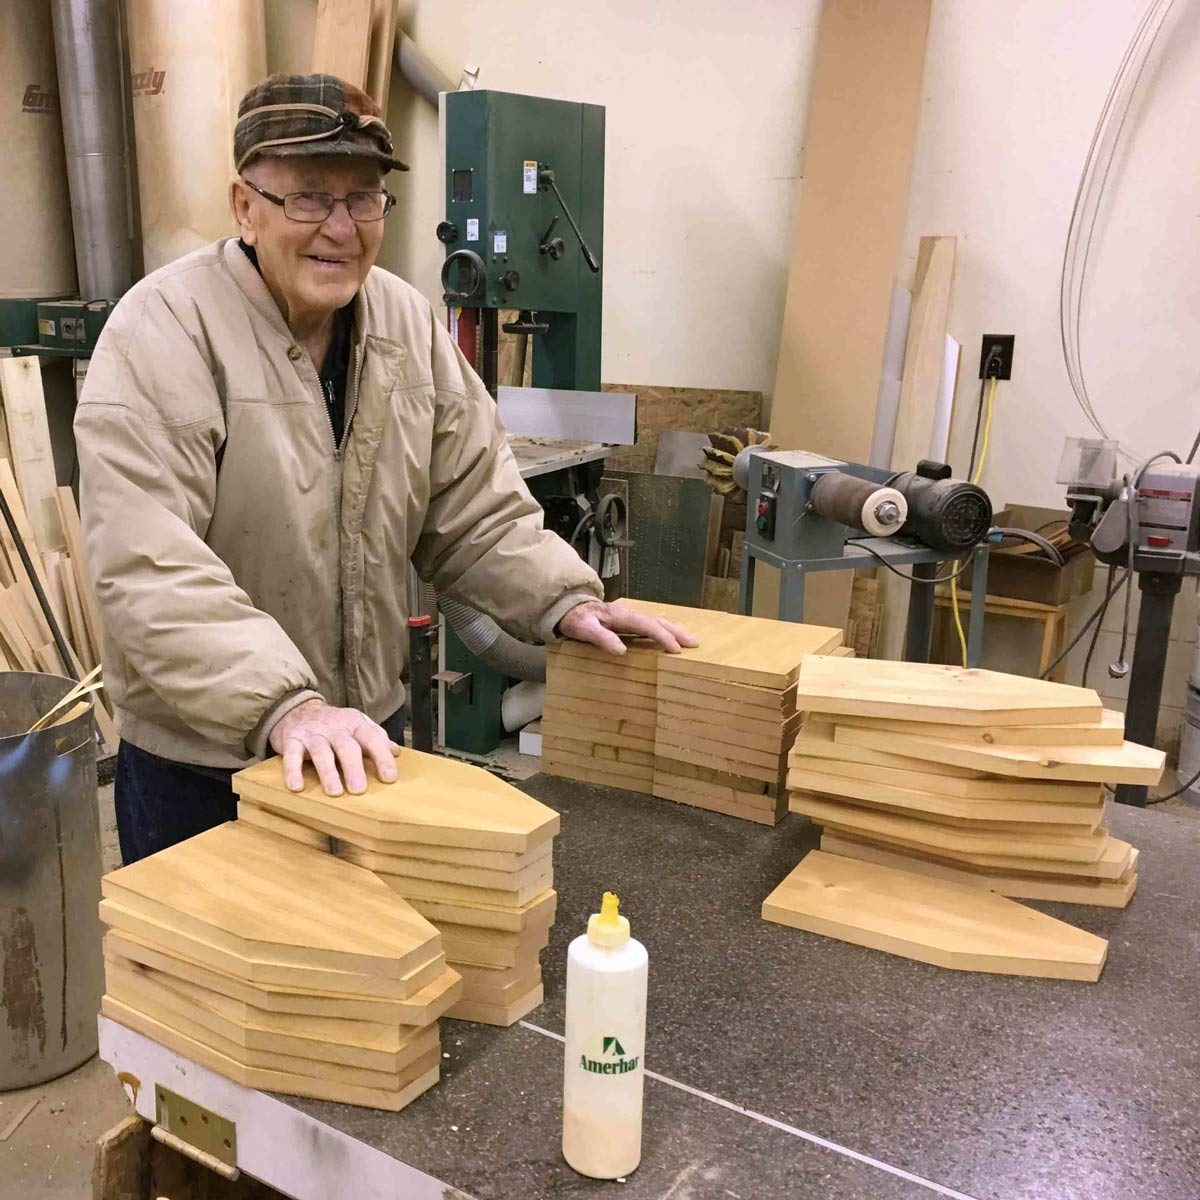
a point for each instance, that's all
(51, 965)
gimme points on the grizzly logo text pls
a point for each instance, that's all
(148, 83)
(37, 100)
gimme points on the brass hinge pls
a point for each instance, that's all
(203, 1135)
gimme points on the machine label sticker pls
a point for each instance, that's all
(38, 99)
(148, 83)
(45, 327)
(472, 229)
(500, 241)
(529, 173)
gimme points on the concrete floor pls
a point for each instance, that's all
(50, 1156)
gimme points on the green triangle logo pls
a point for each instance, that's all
(611, 1043)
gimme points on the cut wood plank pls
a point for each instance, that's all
(720, 781)
(88, 654)
(568, 713)
(729, 717)
(468, 946)
(32, 452)
(770, 744)
(1112, 864)
(478, 979)
(16, 644)
(482, 991)
(613, 693)
(73, 533)
(934, 921)
(812, 775)
(257, 1038)
(532, 916)
(1103, 893)
(600, 750)
(874, 765)
(556, 729)
(494, 1014)
(770, 769)
(762, 810)
(1127, 763)
(942, 694)
(559, 665)
(765, 704)
(416, 887)
(235, 886)
(752, 651)
(1109, 732)
(434, 800)
(427, 1070)
(1076, 847)
(192, 975)
(597, 775)
(381, 51)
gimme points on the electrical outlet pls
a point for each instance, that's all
(997, 347)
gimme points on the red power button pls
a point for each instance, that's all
(763, 508)
(1158, 541)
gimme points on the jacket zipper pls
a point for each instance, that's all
(351, 405)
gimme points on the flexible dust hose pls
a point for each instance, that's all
(486, 640)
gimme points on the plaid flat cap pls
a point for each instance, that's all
(310, 115)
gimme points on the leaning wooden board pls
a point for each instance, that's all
(942, 694)
(934, 921)
(1109, 732)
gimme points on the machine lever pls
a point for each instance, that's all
(546, 180)
(528, 323)
(550, 245)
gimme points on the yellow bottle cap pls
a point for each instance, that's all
(608, 928)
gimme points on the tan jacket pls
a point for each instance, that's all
(241, 563)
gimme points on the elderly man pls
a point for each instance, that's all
(271, 430)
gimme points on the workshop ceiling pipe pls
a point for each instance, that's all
(87, 47)
(424, 78)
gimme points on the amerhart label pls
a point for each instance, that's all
(38, 100)
(614, 1061)
(148, 83)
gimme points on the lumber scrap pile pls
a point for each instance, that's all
(279, 967)
(48, 528)
(469, 852)
(710, 727)
(972, 779)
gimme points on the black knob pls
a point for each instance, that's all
(447, 232)
(554, 247)
(511, 280)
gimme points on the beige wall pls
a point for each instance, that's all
(1012, 94)
(705, 105)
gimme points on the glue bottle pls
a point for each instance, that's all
(604, 1070)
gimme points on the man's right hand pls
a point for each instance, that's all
(334, 739)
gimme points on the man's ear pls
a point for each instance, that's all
(239, 207)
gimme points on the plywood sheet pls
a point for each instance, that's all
(938, 836)
(1127, 763)
(236, 886)
(1110, 731)
(434, 800)
(816, 775)
(423, 1075)
(943, 694)
(1103, 893)
(934, 921)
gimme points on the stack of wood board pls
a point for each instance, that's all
(971, 776)
(47, 524)
(279, 967)
(467, 850)
(709, 727)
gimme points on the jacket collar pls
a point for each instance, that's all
(246, 276)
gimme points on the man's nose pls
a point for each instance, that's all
(339, 224)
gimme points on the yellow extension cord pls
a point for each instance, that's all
(983, 453)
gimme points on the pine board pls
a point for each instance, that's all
(935, 921)
(774, 743)
(866, 687)
(750, 650)
(553, 758)
(938, 836)
(556, 727)
(366, 847)
(467, 946)
(598, 778)
(746, 698)
(873, 766)
(254, 1040)
(718, 762)
(493, 1014)
(440, 889)
(709, 705)
(598, 750)
(424, 1075)
(611, 668)
(73, 533)
(811, 775)
(478, 979)
(1112, 863)
(816, 738)
(32, 453)
(532, 916)
(434, 800)
(1102, 893)
(1109, 732)
(570, 714)
(765, 812)
(619, 696)
(483, 991)
(236, 886)
(1127, 763)
(724, 715)
(720, 782)
(422, 1008)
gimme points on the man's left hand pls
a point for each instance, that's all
(599, 623)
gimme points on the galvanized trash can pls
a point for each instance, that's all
(51, 964)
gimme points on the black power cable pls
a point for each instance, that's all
(1096, 615)
(910, 578)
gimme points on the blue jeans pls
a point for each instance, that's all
(160, 802)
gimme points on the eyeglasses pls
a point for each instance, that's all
(314, 207)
